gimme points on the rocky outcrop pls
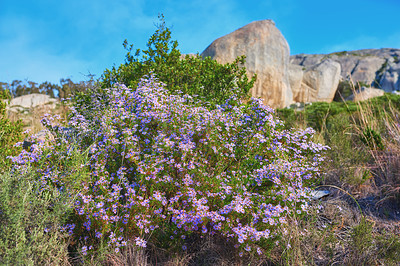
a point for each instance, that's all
(364, 70)
(31, 107)
(34, 100)
(283, 80)
(315, 84)
(389, 79)
(267, 54)
(296, 74)
(359, 68)
(373, 67)
(323, 79)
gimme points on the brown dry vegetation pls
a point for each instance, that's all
(31, 117)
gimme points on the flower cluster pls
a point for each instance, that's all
(157, 160)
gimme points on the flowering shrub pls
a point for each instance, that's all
(160, 164)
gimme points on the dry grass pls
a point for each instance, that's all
(338, 233)
(131, 255)
(201, 251)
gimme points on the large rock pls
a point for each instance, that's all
(306, 60)
(267, 54)
(353, 65)
(364, 70)
(322, 80)
(316, 83)
(30, 109)
(295, 80)
(29, 101)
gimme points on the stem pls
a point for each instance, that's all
(359, 207)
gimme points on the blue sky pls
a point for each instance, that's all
(45, 40)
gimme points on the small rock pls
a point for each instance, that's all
(318, 194)
(365, 93)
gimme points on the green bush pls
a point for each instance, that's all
(316, 115)
(10, 133)
(30, 220)
(193, 75)
(361, 243)
(372, 139)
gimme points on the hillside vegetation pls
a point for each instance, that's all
(167, 160)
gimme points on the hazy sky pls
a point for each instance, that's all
(45, 40)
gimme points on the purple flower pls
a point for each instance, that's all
(84, 250)
(140, 242)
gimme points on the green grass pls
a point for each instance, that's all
(29, 221)
(10, 133)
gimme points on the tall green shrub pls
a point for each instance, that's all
(30, 220)
(10, 132)
(193, 75)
